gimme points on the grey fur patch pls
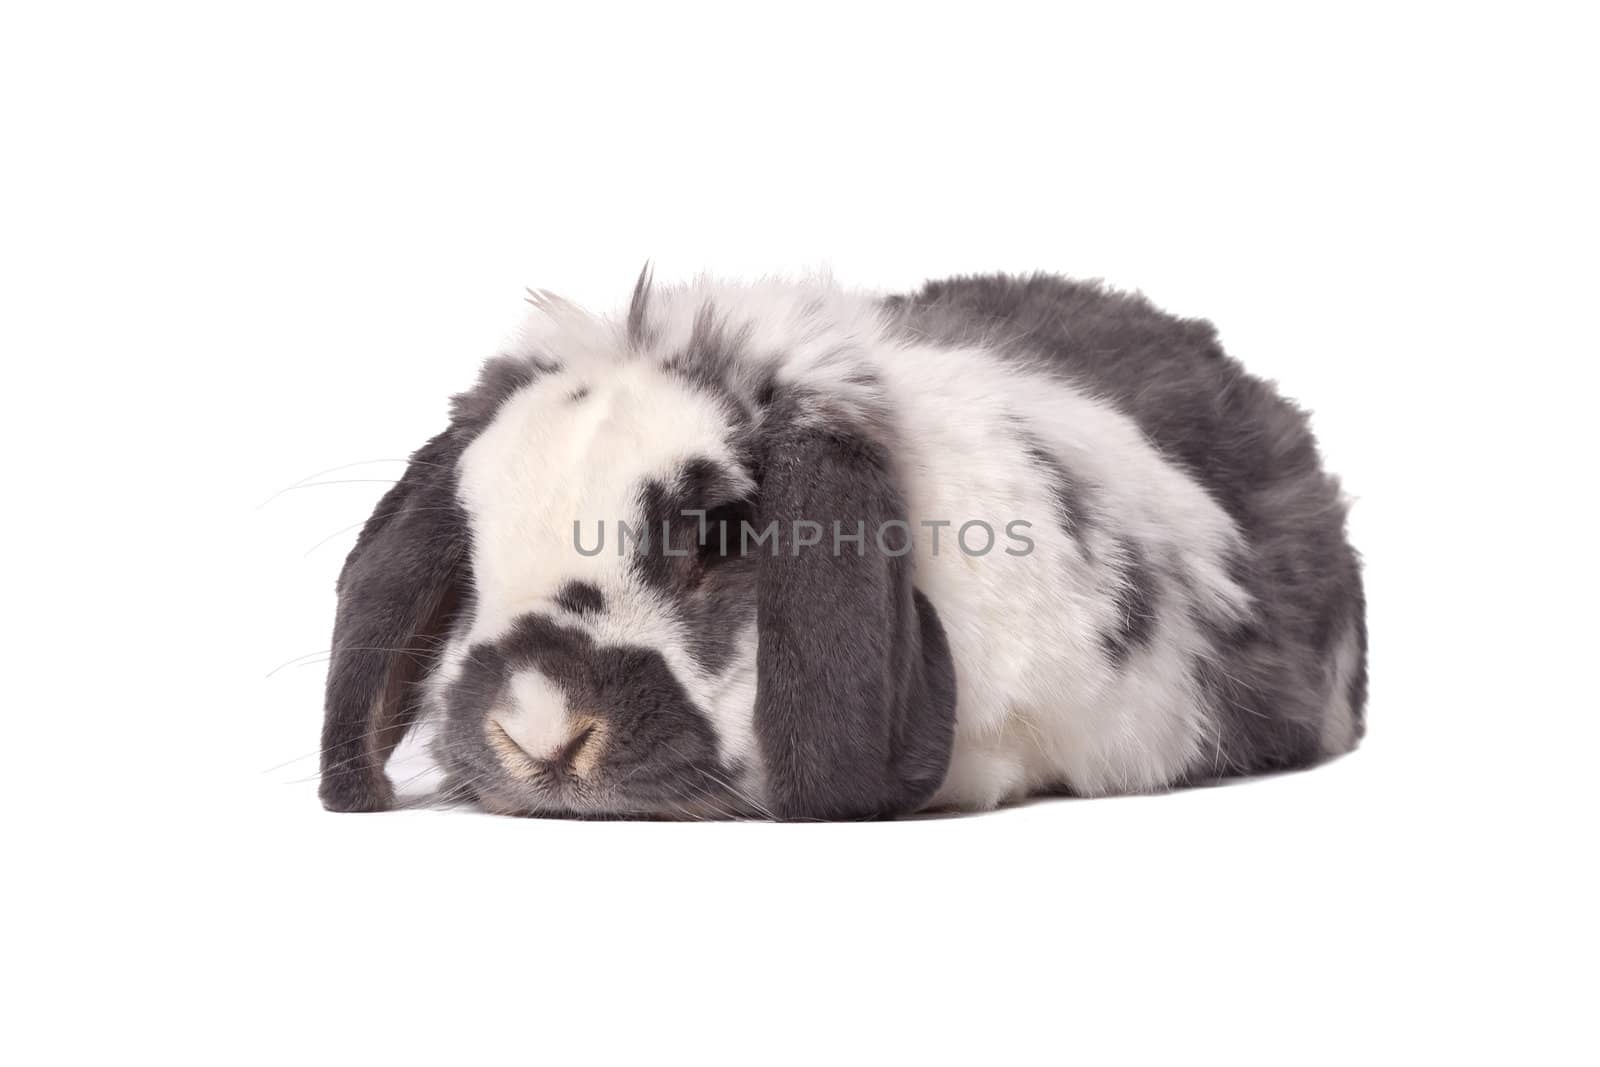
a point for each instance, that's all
(581, 598)
(714, 360)
(1069, 493)
(766, 388)
(639, 333)
(710, 590)
(1357, 694)
(1137, 599)
(497, 381)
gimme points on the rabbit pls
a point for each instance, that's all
(786, 550)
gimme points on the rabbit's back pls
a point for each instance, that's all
(1195, 503)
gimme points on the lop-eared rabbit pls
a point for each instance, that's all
(784, 550)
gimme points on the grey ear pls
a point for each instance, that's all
(855, 697)
(400, 586)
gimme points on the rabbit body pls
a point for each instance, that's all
(1066, 545)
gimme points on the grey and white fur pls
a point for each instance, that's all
(1189, 608)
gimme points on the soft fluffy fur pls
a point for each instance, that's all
(1189, 610)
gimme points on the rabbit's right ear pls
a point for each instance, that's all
(400, 587)
(855, 686)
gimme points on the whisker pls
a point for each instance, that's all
(363, 522)
(352, 466)
(740, 793)
(432, 768)
(297, 759)
(331, 481)
(330, 537)
(730, 786)
(329, 653)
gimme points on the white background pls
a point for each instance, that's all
(241, 246)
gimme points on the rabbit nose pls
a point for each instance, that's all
(582, 749)
(576, 750)
(534, 730)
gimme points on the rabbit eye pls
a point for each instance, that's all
(724, 533)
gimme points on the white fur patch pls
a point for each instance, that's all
(548, 466)
(535, 716)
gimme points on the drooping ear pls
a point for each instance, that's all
(855, 695)
(400, 586)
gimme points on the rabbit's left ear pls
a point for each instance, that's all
(855, 690)
(399, 589)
